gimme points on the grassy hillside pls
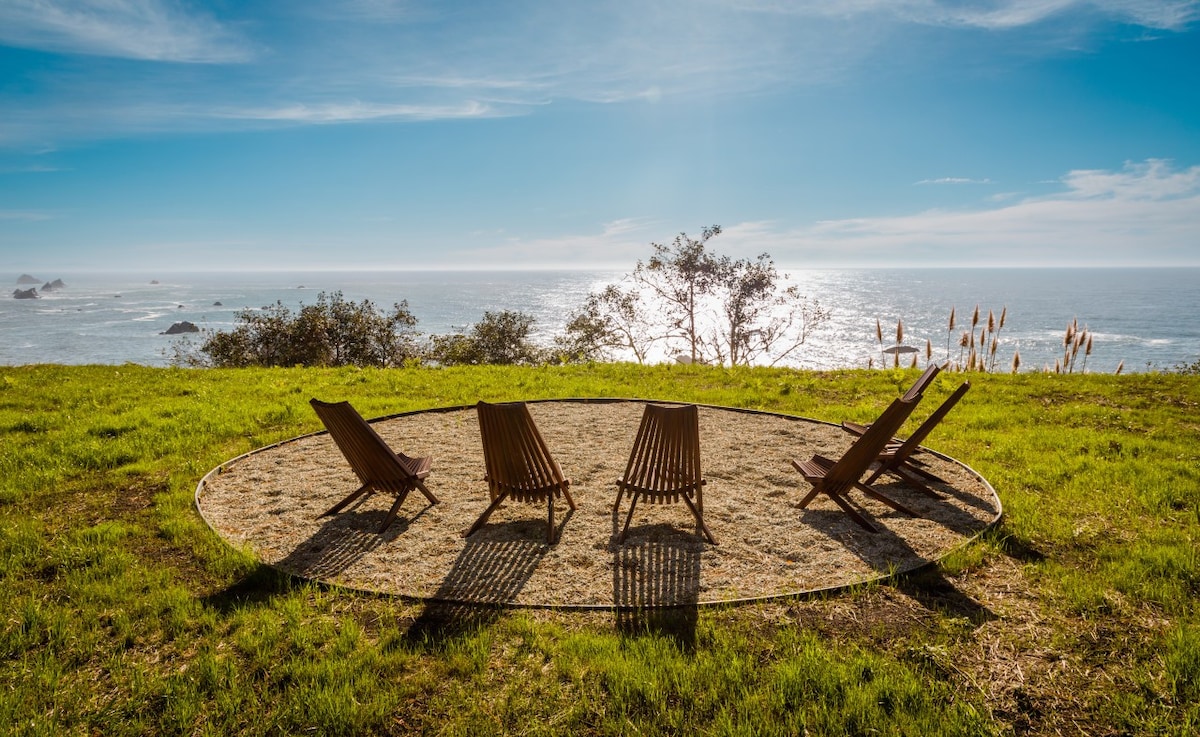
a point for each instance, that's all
(124, 614)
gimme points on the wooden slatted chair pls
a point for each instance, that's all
(518, 463)
(837, 478)
(914, 394)
(923, 381)
(375, 464)
(897, 456)
(664, 465)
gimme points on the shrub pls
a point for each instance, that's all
(500, 338)
(332, 332)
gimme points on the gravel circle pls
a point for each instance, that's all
(269, 501)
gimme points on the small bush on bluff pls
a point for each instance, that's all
(500, 338)
(332, 332)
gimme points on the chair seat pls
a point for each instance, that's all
(814, 468)
(855, 427)
(419, 467)
(523, 487)
(655, 494)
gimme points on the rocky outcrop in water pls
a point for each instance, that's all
(25, 294)
(180, 328)
(50, 286)
(27, 279)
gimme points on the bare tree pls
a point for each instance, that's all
(680, 277)
(611, 321)
(757, 317)
(724, 311)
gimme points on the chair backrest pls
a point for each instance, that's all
(910, 445)
(665, 460)
(923, 381)
(515, 455)
(367, 453)
(859, 456)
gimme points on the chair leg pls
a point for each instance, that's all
(898, 469)
(633, 497)
(851, 512)
(908, 465)
(809, 497)
(391, 515)
(917, 483)
(699, 519)
(890, 502)
(550, 518)
(428, 494)
(483, 518)
(364, 489)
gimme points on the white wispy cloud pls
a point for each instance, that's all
(626, 225)
(994, 15)
(352, 60)
(617, 245)
(955, 180)
(23, 215)
(357, 111)
(1146, 213)
(158, 30)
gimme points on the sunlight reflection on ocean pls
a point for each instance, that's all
(1147, 318)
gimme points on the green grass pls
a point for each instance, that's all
(124, 614)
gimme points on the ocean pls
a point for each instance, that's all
(1145, 319)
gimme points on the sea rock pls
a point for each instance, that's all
(218, 304)
(154, 281)
(27, 279)
(180, 328)
(50, 286)
(25, 293)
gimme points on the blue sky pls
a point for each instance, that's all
(156, 134)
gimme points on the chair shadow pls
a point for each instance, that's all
(947, 488)
(342, 541)
(931, 589)
(258, 587)
(925, 583)
(656, 585)
(488, 575)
